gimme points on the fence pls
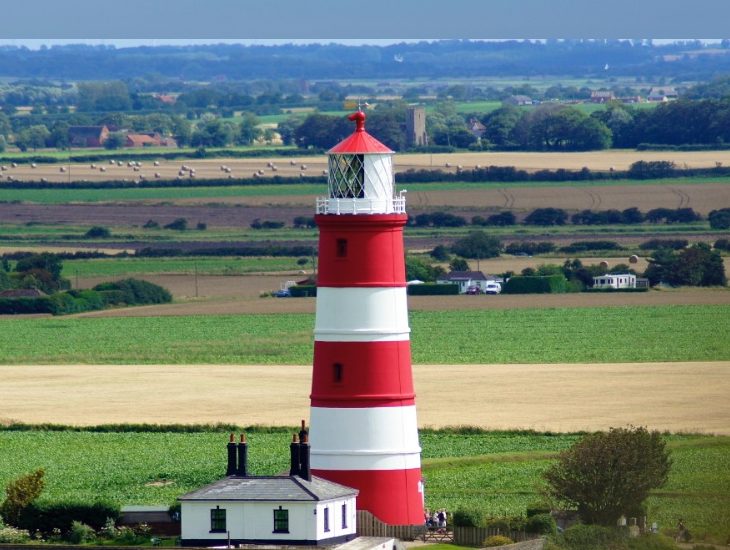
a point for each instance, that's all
(370, 526)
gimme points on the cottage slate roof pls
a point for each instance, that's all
(85, 131)
(463, 276)
(270, 488)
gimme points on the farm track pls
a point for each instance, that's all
(686, 396)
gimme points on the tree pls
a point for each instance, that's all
(477, 244)
(20, 493)
(697, 265)
(417, 268)
(607, 474)
(248, 131)
(322, 131)
(546, 216)
(115, 140)
(720, 219)
(32, 137)
(459, 264)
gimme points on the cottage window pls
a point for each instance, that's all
(326, 519)
(337, 373)
(341, 248)
(218, 520)
(344, 516)
(281, 521)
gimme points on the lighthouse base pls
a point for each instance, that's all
(394, 497)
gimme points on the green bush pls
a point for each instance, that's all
(80, 533)
(46, 516)
(303, 291)
(133, 292)
(13, 306)
(654, 542)
(467, 517)
(723, 244)
(11, 535)
(541, 524)
(497, 540)
(98, 232)
(535, 285)
(180, 224)
(592, 537)
(433, 290)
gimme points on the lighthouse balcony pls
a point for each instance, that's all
(330, 205)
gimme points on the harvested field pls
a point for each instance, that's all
(287, 166)
(559, 397)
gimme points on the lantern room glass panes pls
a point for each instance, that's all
(347, 176)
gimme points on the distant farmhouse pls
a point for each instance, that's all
(662, 94)
(87, 136)
(602, 96)
(519, 100)
(466, 280)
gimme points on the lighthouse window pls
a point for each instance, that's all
(337, 372)
(218, 520)
(341, 248)
(281, 521)
(347, 176)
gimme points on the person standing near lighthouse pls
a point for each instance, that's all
(363, 427)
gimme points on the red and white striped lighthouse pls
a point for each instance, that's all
(363, 431)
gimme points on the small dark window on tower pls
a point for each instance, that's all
(337, 372)
(341, 248)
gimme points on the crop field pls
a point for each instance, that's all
(105, 267)
(497, 472)
(618, 159)
(674, 397)
(575, 335)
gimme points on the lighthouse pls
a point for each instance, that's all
(363, 428)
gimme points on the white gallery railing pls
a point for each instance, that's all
(329, 205)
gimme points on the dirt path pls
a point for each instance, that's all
(558, 397)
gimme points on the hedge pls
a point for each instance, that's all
(47, 516)
(125, 292)
(433, 289)
(551, 284)
(303, 291)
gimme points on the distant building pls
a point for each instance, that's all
(416, 127)
(662, 94)
(167, 99)
(602, 96)
(616, 281)
(476, 128)
(151, 139)
(519, 100)
(87, 136)
(466, 279)
(298, 508)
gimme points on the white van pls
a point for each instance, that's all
(492, 288)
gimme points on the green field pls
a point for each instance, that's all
(569, 335)
(110, 267)
(496, 472)
(59, 196)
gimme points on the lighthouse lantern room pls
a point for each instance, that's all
(364, 430)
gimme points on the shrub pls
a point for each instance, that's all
(467, 517)
(81, 533)
(440, 253)
(180, 224)
(531, 248)
(546, 216)
(11, 535)
(723, 244)
(497, 540)
(266, 224)
(151, 224)
(720, 219)
(541, 524)
(581, 246)
(656, 542)
(201, 226)
(20, 494)
(477, 244)
(46, 516)
(592, 537)
(134, 292)
(98, 232)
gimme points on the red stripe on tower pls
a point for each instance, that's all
(364, 432)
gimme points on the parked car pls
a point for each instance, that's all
(493, 288)
(473, 290)
(284, 293)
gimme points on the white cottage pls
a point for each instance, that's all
(618, 280)
(284, 510)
